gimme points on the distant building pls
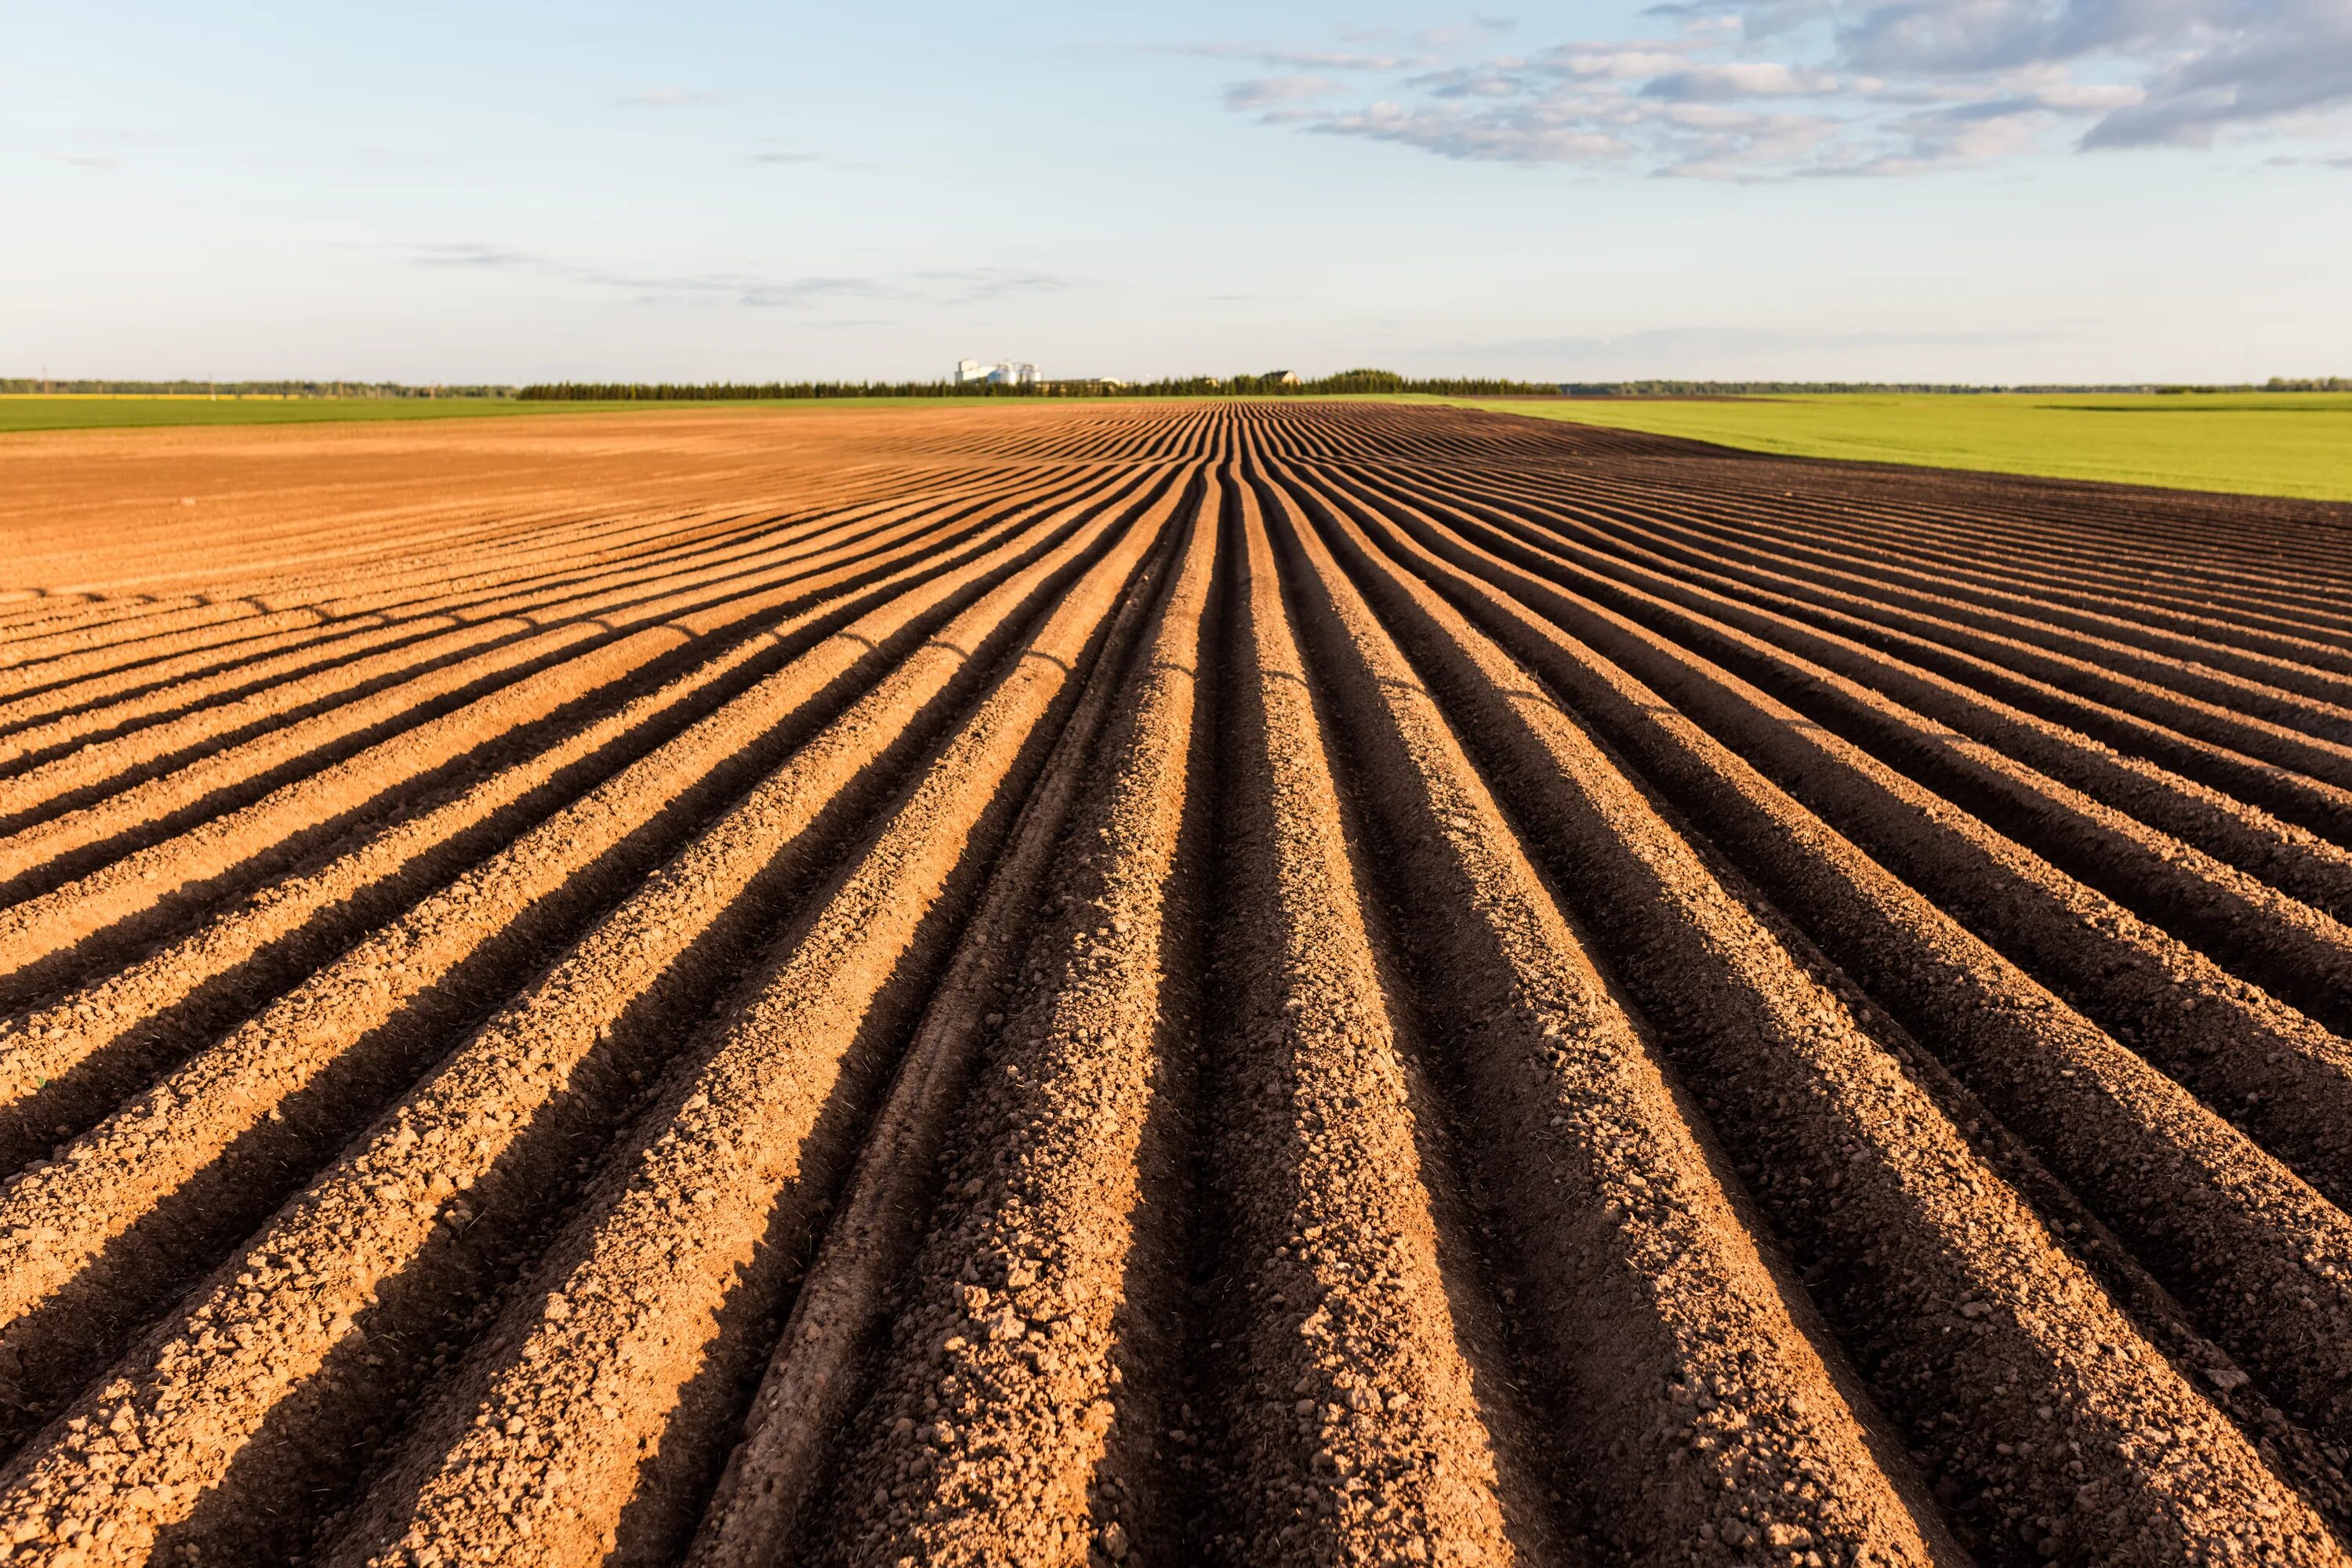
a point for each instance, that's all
(1003, 373)
(1287, 378)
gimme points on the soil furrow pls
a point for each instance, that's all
(2218, 723)
(839, 1306)
(1971, 1306)
(125, 1012)
(1017, 1413)
(331, 701)
(2253, 1250)
(480, 1134)
(42, 929)
(702, 1216)
(1633, 1216)
(184, 689)
(378, 1011)
(2295, 860)
(1090, 982)
(2279, 1076)
(1938, 595)
(2298, 951)
(1343, 1383)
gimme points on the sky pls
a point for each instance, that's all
(1989, 191)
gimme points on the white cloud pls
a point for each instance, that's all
(1889, 87)
(1621, 65)
(1454, 34)
(1519, 137)
(1738, 79)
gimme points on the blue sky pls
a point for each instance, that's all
(1980, 190)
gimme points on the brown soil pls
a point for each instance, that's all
(1150, 985)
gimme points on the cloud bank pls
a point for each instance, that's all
(1779, 89)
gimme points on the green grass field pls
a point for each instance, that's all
(2279, 444)
(31, 412)
(22, 412)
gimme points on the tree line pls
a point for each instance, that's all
(1785, 388)
(1280, 384)
(1270, 383)
(784, 391)
(1666, 388)
(29, 385)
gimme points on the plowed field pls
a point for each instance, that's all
(1156, 985)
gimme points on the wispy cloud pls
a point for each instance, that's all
(1774, 89)
(1306, 59)
(1264, 92)
(1517, 137)
(740, 289)
(959, 284)
(468, 254)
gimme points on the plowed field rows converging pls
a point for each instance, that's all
(1256, 985)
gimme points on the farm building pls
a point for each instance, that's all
(1003, 373)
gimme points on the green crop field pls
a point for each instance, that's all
(2279, 444)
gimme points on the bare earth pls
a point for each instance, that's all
(1156, 985)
